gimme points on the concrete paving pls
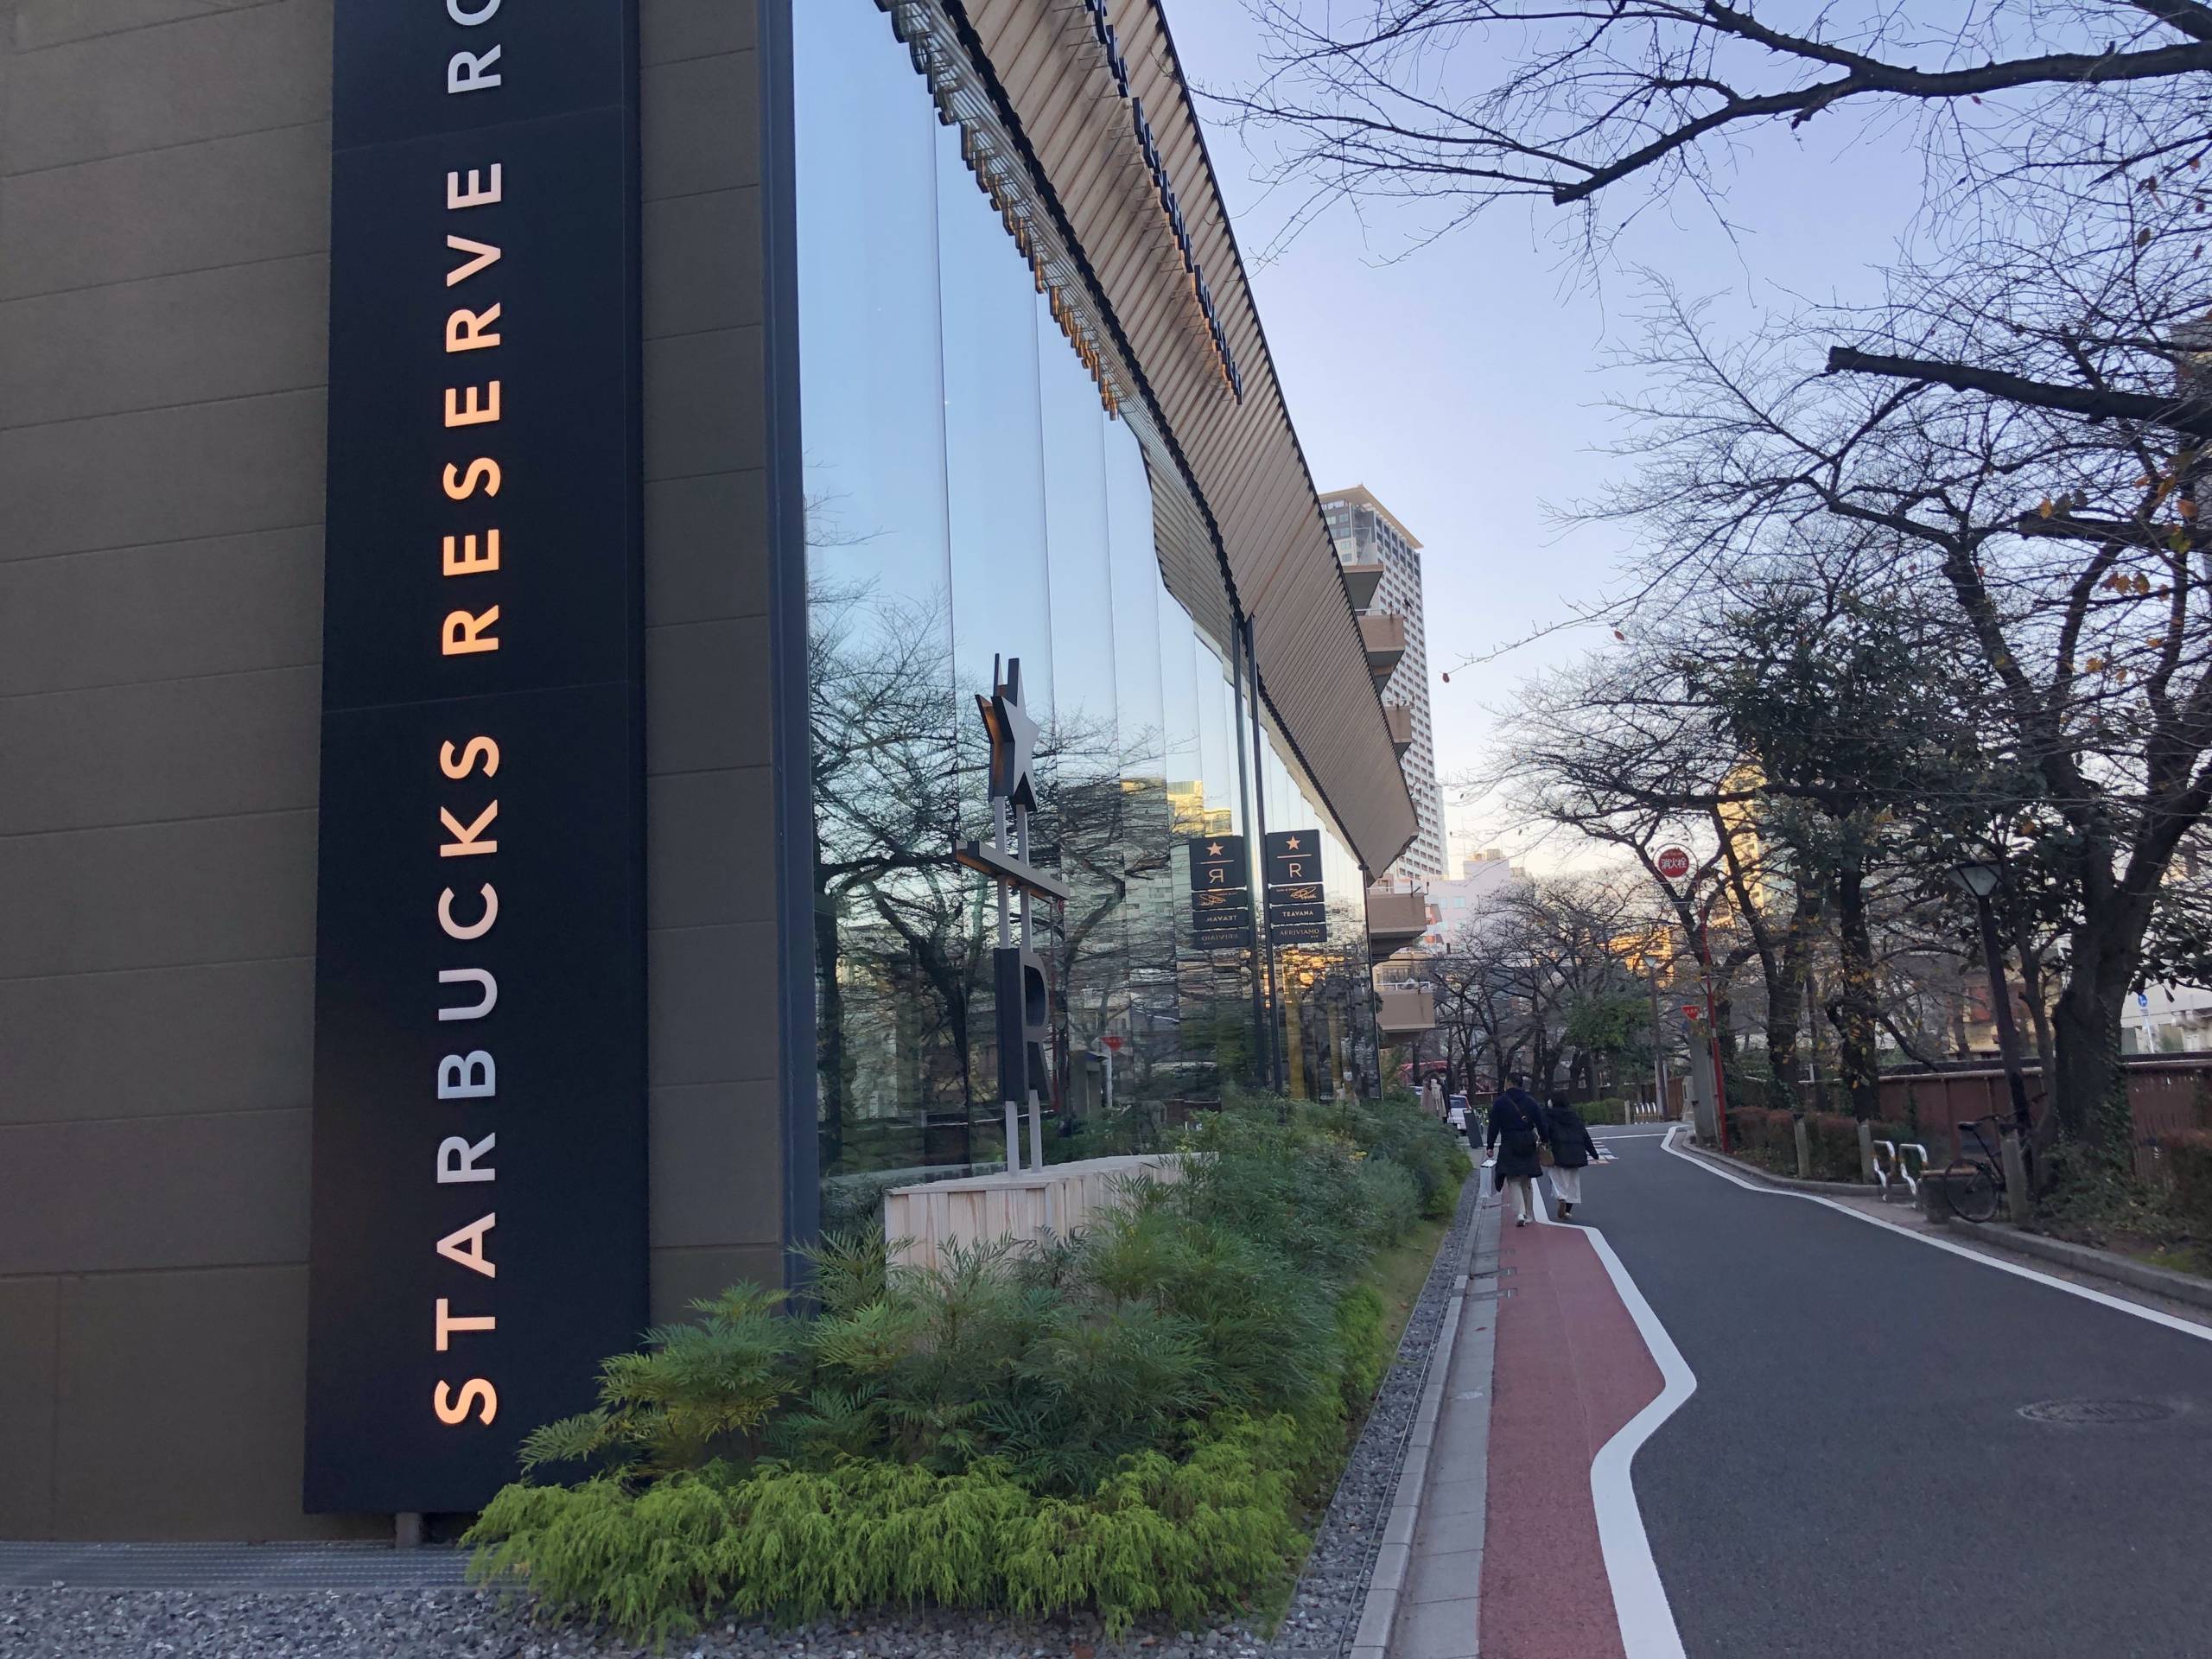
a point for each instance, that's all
(1436, 1610)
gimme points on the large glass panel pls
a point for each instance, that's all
(889, 1055)
(1094, 830)
(1144, 1069)
(968, 500)
(1001, 601)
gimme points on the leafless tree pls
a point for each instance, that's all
(1459, 104)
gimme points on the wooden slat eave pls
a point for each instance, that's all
(1244, 458)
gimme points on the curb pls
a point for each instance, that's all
(1787, 1183)
(1378, 1613)
(2083, 1258)
(2003, 1236)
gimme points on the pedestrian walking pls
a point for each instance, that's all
(1516, 1131)
(1573, 1150)
(1431, 1098)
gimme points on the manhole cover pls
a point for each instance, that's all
(2097, 1411)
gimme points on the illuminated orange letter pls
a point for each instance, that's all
(483, 470)
(474, 1390)
(464, 560)
(476, 748)
(465, 841)
(465, 633)
(467, 412)
(465, 329)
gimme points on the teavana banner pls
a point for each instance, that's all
(1297, 912)
(479, 1233)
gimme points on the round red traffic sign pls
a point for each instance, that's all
(1114, 1040)
(1673, 862)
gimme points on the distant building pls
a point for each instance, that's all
(1464, 831)
(1457, 904)
(1368, 535)
(2163, 1019)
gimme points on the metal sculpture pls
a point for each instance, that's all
(1024, 1006)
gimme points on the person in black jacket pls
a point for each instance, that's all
(1517, 1128)
(1573, 1150)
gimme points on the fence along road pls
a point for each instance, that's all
(1853, 1474)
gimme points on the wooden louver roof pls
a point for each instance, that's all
(1243, 457)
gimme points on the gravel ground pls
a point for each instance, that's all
(464, 1624)
(1324, 1611)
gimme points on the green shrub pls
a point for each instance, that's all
(1834, 1146)
(1389, 1198)
(2188, 1155)
(1611, 1111)
(1766, 1138)
(1180, 1536)
(1124, 1420)
(1362, 1319)
(684, 1398)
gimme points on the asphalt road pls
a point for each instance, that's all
(1852, 1475)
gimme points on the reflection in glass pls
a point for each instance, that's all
(879, 588)
(968, 499)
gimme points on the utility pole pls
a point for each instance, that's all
(1981, 878)
(1713, 1032)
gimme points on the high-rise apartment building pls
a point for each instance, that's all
(1368, 535)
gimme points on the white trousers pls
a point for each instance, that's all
(1525, 1196)
(1567, 1185)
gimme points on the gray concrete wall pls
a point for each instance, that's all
(164, 204)
(717, 1165)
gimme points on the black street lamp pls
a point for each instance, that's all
(1982, 877)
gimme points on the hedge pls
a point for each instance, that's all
(2188, 1155)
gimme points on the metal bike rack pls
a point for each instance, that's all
(1898, 1166)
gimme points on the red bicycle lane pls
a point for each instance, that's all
(1572, 1369)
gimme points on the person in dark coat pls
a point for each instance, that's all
(1517, 1128)
(1573, 1150)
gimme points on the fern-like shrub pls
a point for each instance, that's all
(1127, 1420)
(1184, 1536)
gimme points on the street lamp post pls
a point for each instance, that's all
(1981, 878)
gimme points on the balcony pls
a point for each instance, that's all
(1363, 579)
(1399, 716)
(1394, 920)
(1384, 636)
(1402, 1010)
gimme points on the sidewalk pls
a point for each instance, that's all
(1436, 1612)
(1548, 1367)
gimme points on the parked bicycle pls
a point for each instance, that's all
(1974, 1182)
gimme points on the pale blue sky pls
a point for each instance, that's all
(1463, 384)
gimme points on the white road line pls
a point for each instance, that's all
(2186, 1328)
(1647, 1621)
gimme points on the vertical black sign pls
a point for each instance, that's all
(1297, 912)
(1221, 893)
(478, 1189)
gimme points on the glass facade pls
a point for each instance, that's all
(970, 498)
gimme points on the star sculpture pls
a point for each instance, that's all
(1013, 740)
